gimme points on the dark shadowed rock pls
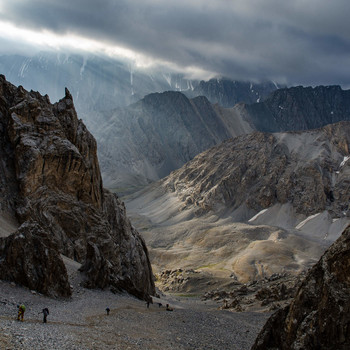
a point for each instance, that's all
(57, 184)
(319, 316)
(300, 108)
(30, 257)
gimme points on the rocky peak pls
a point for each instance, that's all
(57, 185)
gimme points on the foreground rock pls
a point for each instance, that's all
(318, 317)
(30, 257)
(51, 179)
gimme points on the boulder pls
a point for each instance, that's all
(30, 257)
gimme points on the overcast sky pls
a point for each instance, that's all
(289, 41)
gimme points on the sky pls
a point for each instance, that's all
(294, 42)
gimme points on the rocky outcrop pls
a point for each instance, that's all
(307, 169)
(318, 317)
(58, 186)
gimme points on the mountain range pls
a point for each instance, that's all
(253, 206)
(147, 140)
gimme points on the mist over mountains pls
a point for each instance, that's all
(100, 85)
(96, 82)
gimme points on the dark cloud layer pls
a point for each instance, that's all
(295, 41)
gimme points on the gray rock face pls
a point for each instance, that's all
(57, 185)
(227, 93)
(300, 108)
(260, 170)
(318, 317)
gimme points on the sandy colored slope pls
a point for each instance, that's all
(178, 239)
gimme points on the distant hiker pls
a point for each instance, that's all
(45, 313)
(159, 304)
(168, 308)
(21, 310)
(147, 303)
(107, 310)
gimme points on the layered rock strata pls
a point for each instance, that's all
(52, 179)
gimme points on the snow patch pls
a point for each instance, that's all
(24, 68)
(346, 158)
(301, 224)
(167, 78)
(257, 215)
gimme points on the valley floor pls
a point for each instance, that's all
(81, 322)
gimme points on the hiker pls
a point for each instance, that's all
(168, 308)
(21, 310)
(107, 310)
(160, 304)
(45, 313)
(147, 303)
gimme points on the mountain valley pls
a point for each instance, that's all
(254, 206)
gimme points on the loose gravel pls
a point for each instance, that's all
(82, 323)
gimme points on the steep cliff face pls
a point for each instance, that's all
(57, 185)
(300, 108)
(319, 315)
(227, 92)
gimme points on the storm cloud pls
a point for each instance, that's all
(293, 42)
